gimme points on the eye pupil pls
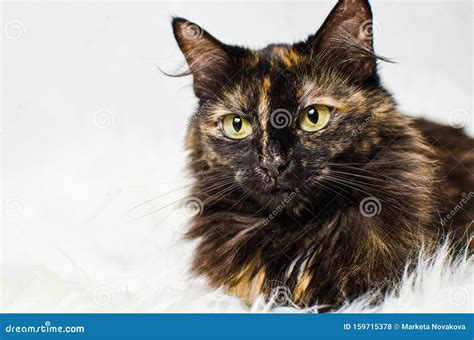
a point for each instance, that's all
(237, 123)
(314, 118)
(235, 127)
(313, 115)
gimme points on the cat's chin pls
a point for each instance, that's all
(279, 191)
(276, 196)
(276, 189)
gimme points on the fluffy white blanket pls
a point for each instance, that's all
(130, 263)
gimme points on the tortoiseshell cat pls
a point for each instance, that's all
(309, 177)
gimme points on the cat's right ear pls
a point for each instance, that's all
(208, 59)
(346, 36)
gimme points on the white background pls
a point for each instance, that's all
(91, 128)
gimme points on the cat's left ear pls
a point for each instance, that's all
(208, 59)
(346, 36)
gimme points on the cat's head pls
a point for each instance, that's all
(275, 119)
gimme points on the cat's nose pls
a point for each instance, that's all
(274, 168)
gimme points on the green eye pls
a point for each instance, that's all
(314, 118)
(236, 127)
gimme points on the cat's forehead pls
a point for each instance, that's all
(275, 77)
(271, 76)
(277, 57)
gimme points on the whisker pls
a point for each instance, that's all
(156, 197)
(384, 199)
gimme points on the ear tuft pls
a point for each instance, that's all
(207, 58)
(347, 36)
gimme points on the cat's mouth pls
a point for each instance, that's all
(276, 187)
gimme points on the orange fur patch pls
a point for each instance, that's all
(248, 283)
(302, 286)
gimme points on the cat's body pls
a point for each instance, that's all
(313, 186)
